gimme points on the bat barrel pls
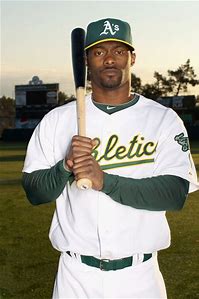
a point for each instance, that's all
(78, 56)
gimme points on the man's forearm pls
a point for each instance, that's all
(45, 185)
(161, 193)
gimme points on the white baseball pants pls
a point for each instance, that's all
(77, 280)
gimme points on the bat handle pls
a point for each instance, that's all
(84, 184)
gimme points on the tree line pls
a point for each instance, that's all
(176, 82)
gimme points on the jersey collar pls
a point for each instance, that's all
(110, 109)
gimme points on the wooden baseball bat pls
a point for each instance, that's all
(79, 72)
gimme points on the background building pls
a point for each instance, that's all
(32, 102)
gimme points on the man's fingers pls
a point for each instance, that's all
(81, 146)
(82, 159)
(83, 167)
(69, 163)
(81, 138)
(82, 141)
(94, 142)
(82, 164)
(77, 152)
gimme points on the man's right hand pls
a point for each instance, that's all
(81, 162)
(80, 147)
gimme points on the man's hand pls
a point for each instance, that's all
(81, 162)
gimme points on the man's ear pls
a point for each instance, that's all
(133, 57)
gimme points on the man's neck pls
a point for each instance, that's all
(114, 97)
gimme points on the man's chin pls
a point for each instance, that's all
(110, 84)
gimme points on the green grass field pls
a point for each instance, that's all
(28, 263)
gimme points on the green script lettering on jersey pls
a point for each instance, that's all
(137, 151)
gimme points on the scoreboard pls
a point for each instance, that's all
(33, 101)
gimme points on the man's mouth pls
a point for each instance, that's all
(110, 71)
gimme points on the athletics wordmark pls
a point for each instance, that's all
(137, 151)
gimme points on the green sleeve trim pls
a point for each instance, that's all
(45, 185)
(161, 193)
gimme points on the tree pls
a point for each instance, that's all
(151, 91)
(7, 113)
(162, 84)
(136, 83)
(64, 98)
(182, 77)
(172, 85)
(7, 106)
(61, 98)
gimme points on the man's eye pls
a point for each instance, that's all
(99, 53)
(120, 52)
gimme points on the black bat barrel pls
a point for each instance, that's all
(78, 58)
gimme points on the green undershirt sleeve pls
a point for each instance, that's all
(161, 193)
(45, 185)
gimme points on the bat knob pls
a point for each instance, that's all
(84, 184)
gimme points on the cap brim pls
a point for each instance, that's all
(108, 40)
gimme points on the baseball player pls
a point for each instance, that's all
(138, 158)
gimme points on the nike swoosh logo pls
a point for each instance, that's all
(109, 108)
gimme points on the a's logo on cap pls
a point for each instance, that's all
(110, 28)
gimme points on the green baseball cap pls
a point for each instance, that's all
(108, 30)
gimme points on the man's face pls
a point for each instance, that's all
(109, 64)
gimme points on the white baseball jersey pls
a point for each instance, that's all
(143, 140)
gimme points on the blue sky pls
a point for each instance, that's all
(35, 37)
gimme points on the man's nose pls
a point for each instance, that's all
(109, 59)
